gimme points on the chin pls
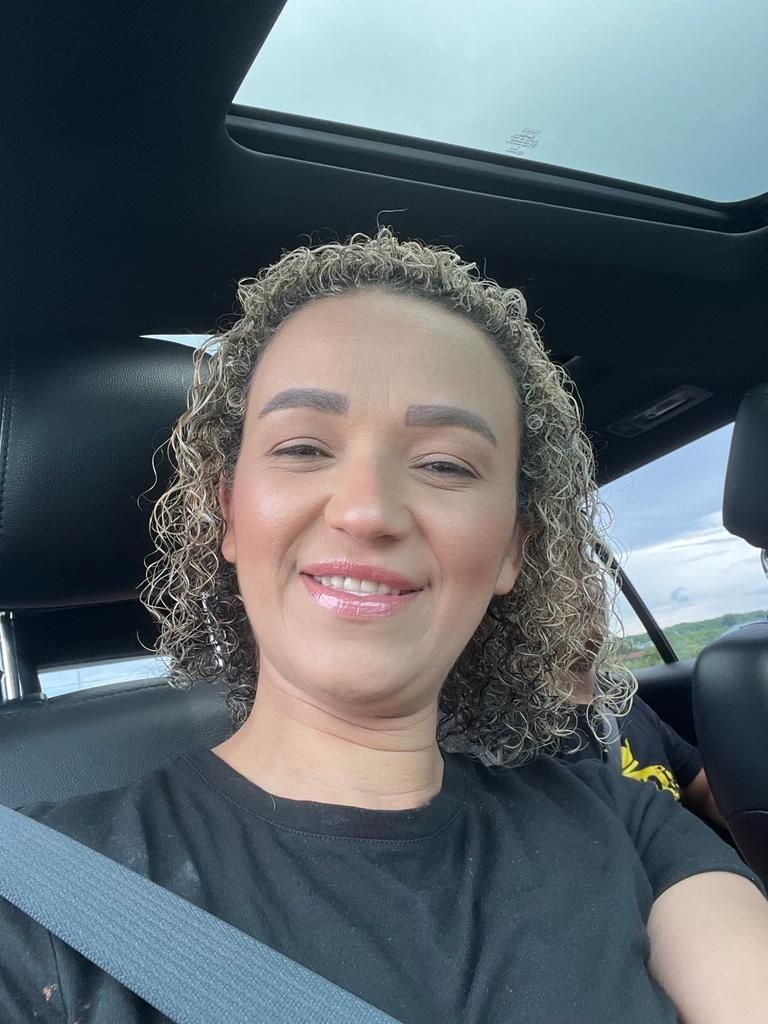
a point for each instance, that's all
(381, 690)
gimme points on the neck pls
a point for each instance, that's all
(300, 751)
(586, 687)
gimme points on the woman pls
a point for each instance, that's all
(382, 530)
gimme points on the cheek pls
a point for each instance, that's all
(265, 518)
(473, 545)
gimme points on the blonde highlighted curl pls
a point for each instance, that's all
(508, 696)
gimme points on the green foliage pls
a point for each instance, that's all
(687, 639)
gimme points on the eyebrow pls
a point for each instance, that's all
(416, 415)
(449, 416)
(307, 398)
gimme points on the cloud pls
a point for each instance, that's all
(668, 524)
(701, 576)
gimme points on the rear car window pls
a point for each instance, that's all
(56, 681)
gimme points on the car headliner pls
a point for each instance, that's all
(134, 196)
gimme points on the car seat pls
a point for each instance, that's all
(730, 684)
(80, 422)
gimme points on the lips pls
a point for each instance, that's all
(361, 592)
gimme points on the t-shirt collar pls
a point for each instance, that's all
(334, 819)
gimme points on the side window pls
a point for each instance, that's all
(56, 681)
(637, 649)
(697, 580)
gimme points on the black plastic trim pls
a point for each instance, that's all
(640, 608)
(411, 159)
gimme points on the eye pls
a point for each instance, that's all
(304, 450)
(446, 468)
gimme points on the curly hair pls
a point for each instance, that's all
(507, 698)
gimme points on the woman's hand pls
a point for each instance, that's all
(709, 949)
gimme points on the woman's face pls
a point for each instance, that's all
(372, 514)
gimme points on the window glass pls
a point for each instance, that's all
(56, 681)
(637, 650)
(697, 580)
(671, 95)
(190, 340)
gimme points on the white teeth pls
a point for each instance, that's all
(349, 585)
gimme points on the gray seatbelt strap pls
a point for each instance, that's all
(612, 742)
(186, 963)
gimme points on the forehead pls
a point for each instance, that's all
(374, 346)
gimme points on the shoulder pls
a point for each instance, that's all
(586, 790)
(641, 707)
(119, 823)
(580, 787)
(586, 780)
(132, 826)
(593, 802)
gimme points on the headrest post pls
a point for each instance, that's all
(764, 561)
(10, 680)
(18, 675)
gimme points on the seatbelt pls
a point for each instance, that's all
(612, 742)
(188, 964)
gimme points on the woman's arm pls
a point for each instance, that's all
(709, 949)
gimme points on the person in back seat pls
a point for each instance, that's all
(383, 531)
(649, 749)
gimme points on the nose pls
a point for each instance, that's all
(368, 501)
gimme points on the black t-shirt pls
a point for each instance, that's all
(651, 751)
(515, 896)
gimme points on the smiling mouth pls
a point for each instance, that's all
(358, 587)
(357, 597)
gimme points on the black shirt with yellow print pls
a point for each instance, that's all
(651, 751)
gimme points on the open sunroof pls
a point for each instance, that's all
(666, 93)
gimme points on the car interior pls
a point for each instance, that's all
(136, 194)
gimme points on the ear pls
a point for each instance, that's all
(228, 549)
(512, 562)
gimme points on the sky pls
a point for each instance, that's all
(668, 528)
(669, 93)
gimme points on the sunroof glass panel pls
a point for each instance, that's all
(666, 94)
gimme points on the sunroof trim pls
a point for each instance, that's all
(634, 97)
(320, 141)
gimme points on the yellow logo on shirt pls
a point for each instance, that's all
(656, 773)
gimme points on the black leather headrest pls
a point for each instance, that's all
(79, 424)
(745, 500)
